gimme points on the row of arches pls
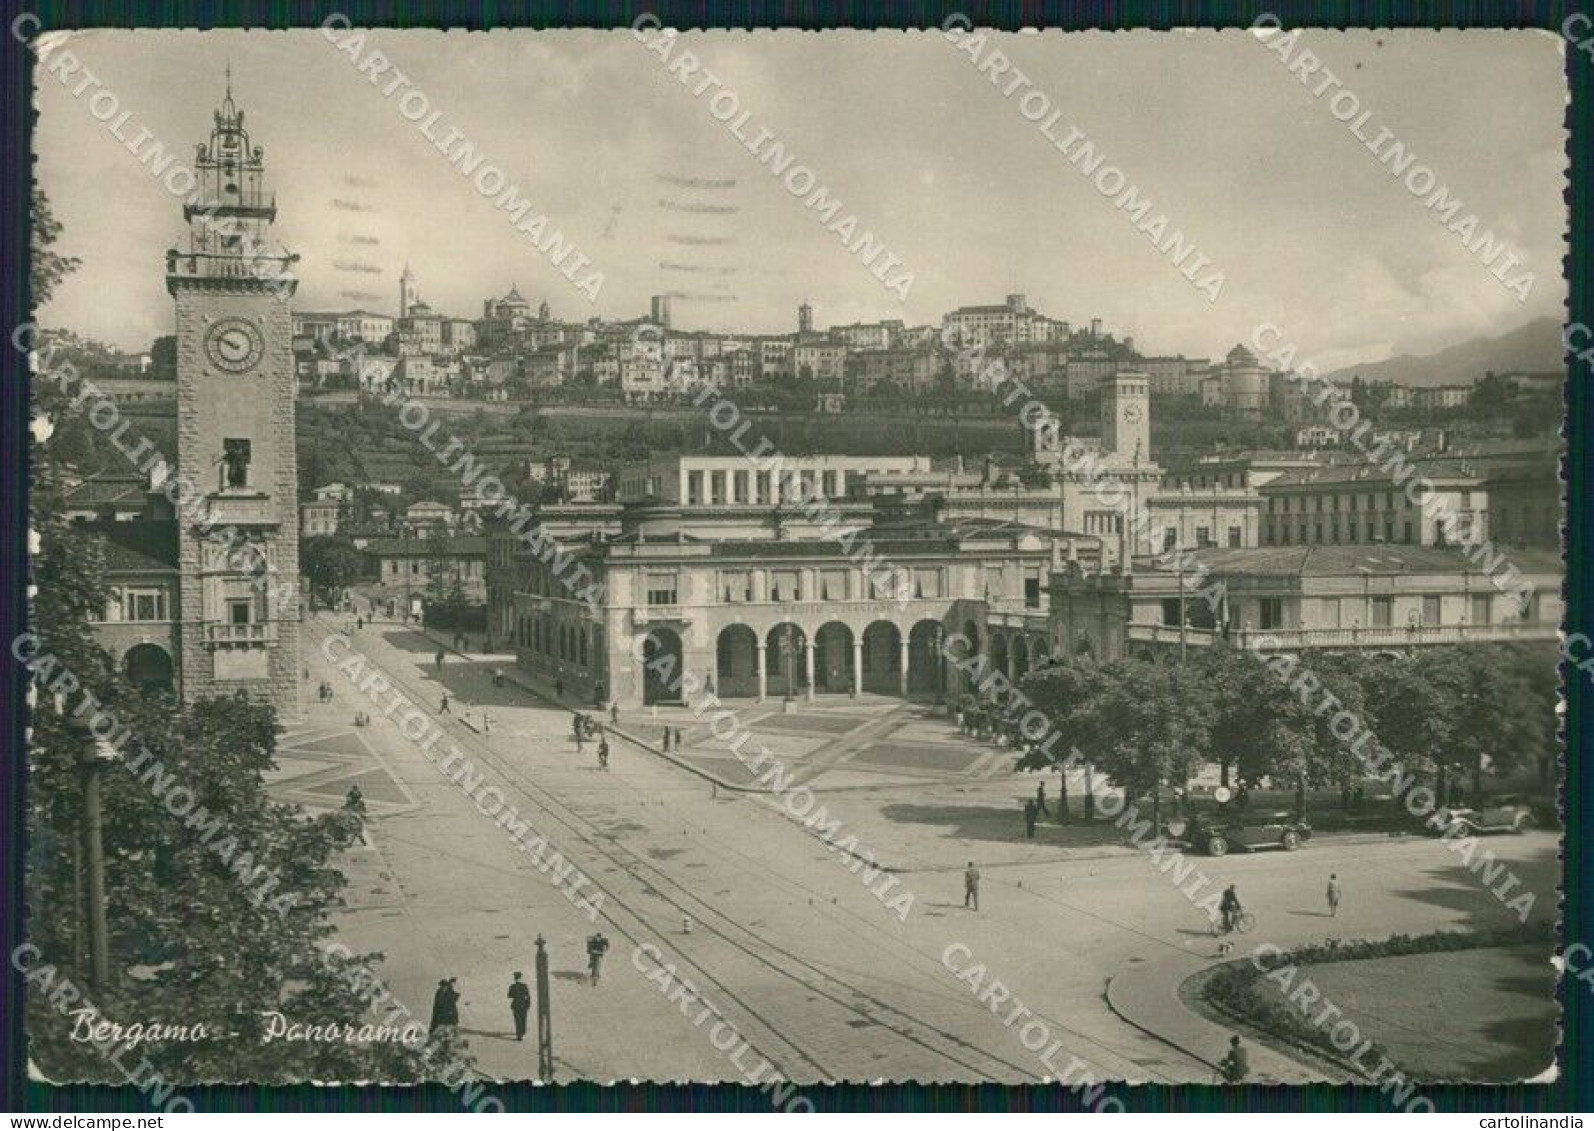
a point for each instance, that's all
(833, 660)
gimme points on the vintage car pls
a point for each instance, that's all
(1500, 817)
(1216, 833)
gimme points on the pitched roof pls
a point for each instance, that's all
(466, 547)
(146, 546)
(107, 489)
(1339, 561)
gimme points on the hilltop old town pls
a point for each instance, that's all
(755, 672)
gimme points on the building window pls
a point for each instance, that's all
(1383, 612)
(832, 585)
(240, 611)
(145, 605)
(1203, 536)
(1170, 611)
(694, 487)
(737, 586)
(1032, 588)
(927, 583)
(661, 587)
(1270, 612)
(1407, 538)
(1236, 534)
(1481, 608)
(785, 585)
(235, 463)
(1170, 538)
(1430, 610)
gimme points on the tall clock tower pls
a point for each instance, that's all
(238, 540)
(1126, 416)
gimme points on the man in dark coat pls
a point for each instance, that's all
(1030, 813)
(519, 1004)
(445, 1004)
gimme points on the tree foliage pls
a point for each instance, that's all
(217, 896)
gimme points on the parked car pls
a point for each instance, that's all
(1216, 833)
(1500, 817)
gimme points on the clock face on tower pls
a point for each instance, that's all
(1132, 413)
(234, 345)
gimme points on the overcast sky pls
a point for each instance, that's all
(1309, 230)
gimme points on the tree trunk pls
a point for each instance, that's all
(1062, 797)
(1300, 797)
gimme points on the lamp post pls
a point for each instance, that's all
(544, 1016)
(92, 754)
(788, 655)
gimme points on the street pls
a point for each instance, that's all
(814, 971)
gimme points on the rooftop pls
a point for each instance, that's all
(137, 547)
(1339, 561)
(466, 547)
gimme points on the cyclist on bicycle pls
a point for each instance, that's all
(1230, 908)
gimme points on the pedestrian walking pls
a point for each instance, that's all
(971, 886)
(1230, 908)
(665, 741)
(445, 1004)
(1333, 896)
(1030, 813)
(1235, 1066)
(1040, 799)
(603, 754)
(581, 741)
(597, 947)
(438, 659)
(519, 1004)
(614, 714)
(443, 706)
(354, 800)
(678, 739)
(962, 724)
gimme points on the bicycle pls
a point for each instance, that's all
(1244, 924)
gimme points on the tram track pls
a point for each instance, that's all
(859, 1007)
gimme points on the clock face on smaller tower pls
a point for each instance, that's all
(234, 345)
(1132, 413)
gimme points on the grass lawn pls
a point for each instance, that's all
(1471, 1015)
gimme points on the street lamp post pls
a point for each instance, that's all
(544, 1016)
(93, 754)
(788, 655)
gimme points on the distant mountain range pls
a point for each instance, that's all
(1532, 348)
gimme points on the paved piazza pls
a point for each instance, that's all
(818, 975)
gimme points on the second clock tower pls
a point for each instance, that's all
(1126, 416)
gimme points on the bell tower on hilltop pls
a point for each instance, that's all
(238, 529)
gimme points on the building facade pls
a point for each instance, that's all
(1302, 597)
(238, 604)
